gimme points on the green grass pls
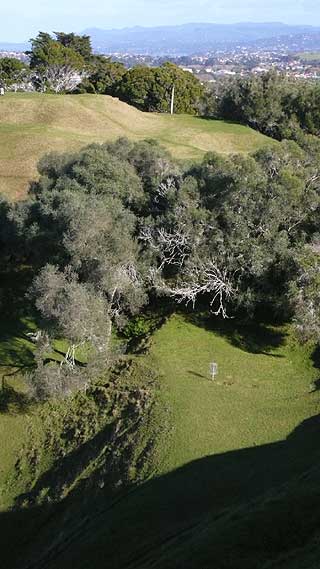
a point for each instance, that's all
(234, 461)
(218, 473)
(16, 355)
(259, 396)
(32, 124)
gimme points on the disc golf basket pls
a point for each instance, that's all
(213, 370)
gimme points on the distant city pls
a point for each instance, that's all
(209, 51)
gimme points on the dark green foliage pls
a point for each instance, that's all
(57, 65)
(12, 71)
(138, 327)
(80, 44)
(150, 89)
(46, 51)
(105, 76)
(270, 103)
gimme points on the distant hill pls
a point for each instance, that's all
(14, 47)
(194, 38)
(191, 38)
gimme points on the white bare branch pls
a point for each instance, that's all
(164, 187)
(200, 279)
(63, 77)
(172, 247)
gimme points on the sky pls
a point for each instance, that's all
(21, 19)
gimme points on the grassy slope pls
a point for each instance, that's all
(32, 124)
(225, 454)
(220, 470)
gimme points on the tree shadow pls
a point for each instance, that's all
(206, 118)
(12, 401)
(15, 346)
(255, 338)
(236, 510)
(315, 357)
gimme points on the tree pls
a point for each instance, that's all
(72, 310)
(58, 67)
(79, 44)
(81, 302)
(105, 254)
(305, 293)
(12, 71)
(202, 278)
(271, 103)
(104, 75)
(150, 89)
(136, 87)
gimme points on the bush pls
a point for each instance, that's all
(138, 327)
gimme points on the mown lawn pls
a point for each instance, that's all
(260, 395)
(33, 124)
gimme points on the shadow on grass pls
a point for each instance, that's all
(237, 510)
(195, 374)
(257, 338)
(12, 401)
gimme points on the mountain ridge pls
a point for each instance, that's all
(192, 37)
(183, 38)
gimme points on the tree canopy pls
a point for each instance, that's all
(150, 89)
(12, 71)
(115, 225)
(271, 103)
(59, 66)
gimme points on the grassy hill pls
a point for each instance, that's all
(32, 124)
(232, 474)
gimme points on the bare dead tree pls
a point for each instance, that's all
(172, 247)
(63, 77)
(199, 279)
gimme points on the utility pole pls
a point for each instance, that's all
(172, 100)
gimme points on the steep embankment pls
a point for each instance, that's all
(32, 124)
(233, 465)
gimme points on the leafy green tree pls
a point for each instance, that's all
(150, 89)
(270, 103)
(75, 312)
(256, 101)
(79, 44)
(137, 86)
(304, 293)
(93, 170)
(71, 309)
(12, 71)
(58, 67)
(104, 75)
